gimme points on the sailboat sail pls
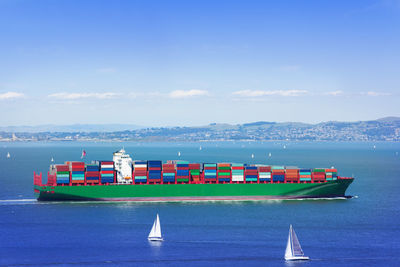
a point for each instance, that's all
(288, 251)
(296, 248)
(156, 229)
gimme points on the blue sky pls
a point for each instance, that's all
(164, 63)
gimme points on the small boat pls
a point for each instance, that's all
(8, 155)
(52, 159)
(179, 154)
(270, 154)
(252, 156)
(155, 233)
(293, 249)
(200, 148)
(284, 146)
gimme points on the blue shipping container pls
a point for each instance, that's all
(251, 168)
(278, 178)
(182, 172)
(169, 179)
(182, 165)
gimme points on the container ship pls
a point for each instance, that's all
(123, 179)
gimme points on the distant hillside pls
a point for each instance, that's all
(71, 128)
(385, 129)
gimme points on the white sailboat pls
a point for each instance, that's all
(8, 155)
(293, 249)
(270, 154)
(179, 153)
(200, 148)
(252, 156)
(52, 159)
(155, 233)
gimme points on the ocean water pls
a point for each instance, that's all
(361, 231)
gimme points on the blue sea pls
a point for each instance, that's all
(361, 231)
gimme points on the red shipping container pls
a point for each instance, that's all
(194, 166)
(62, 168)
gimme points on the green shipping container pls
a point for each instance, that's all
(277, 167)
(183, 180)
(210, 165)
(237, 165)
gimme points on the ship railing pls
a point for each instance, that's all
(37, 179)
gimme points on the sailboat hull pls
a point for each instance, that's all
(155, 239)
(299, 258)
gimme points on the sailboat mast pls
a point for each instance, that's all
(291, 239)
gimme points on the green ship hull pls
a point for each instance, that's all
(193, 192)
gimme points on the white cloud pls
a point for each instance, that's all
(73, 96)
(187, 93)
(335, 93)
(259, 93)
(11, 95)
(372, 93)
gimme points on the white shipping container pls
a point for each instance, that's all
(140, 165)
(107, 166)
(237, 178)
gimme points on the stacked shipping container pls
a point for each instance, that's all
(92, 173)
(331, 174)
(278, 174)
(106, 171)
(292, 174)
(305, 175)
(154, 171)
(77, 172)
(62, 174)
(182, 172)
(140, 171)
(318, 175)
(210, 172)
(251, 173)
(168, 173)
(224, 172)
(194, 169)
(264, 173)
(237, 172)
